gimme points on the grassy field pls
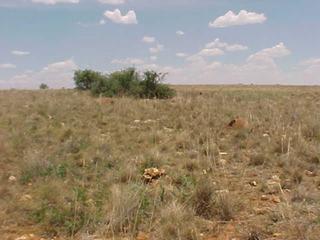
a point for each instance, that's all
(72, 165)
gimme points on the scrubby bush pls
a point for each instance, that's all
(126, 82)
(152, 86)
(84, 79)
(43, 86)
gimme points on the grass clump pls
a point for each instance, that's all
(126, 82)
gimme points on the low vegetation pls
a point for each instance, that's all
(72, 166)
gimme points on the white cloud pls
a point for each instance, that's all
(210, 52)
(7, 66)
(53, 2)
(181, 55)
(112, 2)
(236, 47)
(310, 71)
(156, 49)
(153, 58)
(148, 39)
(128, 61)
(117, 17)
(277, 51)
(180, 33)
(310, 62)
(243, 18)
(260, 69)
(20, 53)
(228, 47)
(55, 75)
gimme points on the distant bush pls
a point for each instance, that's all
(84, 79)
(43, 86)
(126, 82)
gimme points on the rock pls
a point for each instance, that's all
(149, 121)
(310, 174)
(277, 234)
(264, 198)
(151, 174)
(253, 183)
(276, 199)
(12, 179)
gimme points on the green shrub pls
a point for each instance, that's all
(126, 82)
(86, 78)
(43, 86)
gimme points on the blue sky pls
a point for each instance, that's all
(223, 42)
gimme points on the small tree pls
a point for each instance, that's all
(152, 86)
(85, 79)
(43, 86)
(126, 82)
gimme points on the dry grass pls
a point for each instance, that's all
(78, 164)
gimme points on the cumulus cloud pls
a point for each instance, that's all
(180, 33)
(53, 2)
(156, 49)
(20, 53)
(210, 52)
(310, 62)
(117, 17)
(217, 43)
(153, 58)
(7, 66)
(261, 69)
(128, 61)
(278, 51)
(243, 18)
(308, 71)
(55, 75)
(181, 55)
(112, 2)
(148, 39)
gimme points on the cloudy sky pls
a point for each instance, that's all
(195, 41)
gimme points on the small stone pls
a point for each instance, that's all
(136, 121)
(310, 173)
(277, 234)
(149, 121)
(276, 199)
(12, 179)
(264, 198)
(253, 183)
(223, 153)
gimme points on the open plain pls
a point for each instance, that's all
(78, 167)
